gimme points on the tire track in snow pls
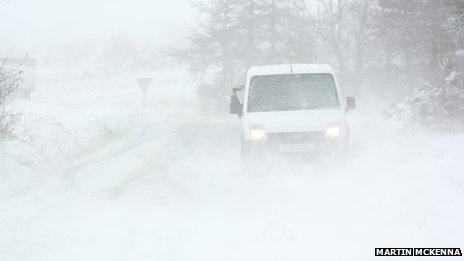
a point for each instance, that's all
(183, 143)
(183, 139)
(141, 137)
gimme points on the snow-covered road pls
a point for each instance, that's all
(97, 177)
(174, 190)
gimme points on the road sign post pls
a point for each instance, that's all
(144, 83)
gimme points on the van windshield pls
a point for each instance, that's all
(292, 92)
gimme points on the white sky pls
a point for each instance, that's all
(32, 23)
(29, 25)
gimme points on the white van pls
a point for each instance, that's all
(295, 108)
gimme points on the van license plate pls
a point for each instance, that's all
(296, 148)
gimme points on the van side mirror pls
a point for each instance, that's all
(350, 103)
(235, 106)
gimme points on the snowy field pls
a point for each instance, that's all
(95, 176)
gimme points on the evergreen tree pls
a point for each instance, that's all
(235, 34)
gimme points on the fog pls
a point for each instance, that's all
(230, 130)
(32, 26)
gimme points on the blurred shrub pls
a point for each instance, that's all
(434, 107)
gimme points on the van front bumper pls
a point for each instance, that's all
(297, 143)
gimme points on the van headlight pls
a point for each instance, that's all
(333, 131)
(257, 132)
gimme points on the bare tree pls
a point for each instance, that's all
(9, 82)
(332, 28)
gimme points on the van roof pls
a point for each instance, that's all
(287, 69)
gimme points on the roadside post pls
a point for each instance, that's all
(144, 84)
